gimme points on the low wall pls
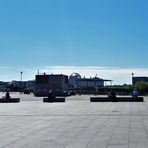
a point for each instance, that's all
(56, 99)
(117, 99)
(10, 100)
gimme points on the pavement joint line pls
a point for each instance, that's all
(80, 115)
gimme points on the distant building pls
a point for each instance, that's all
(18, 83)
(30, 85)
(43, 83)
(4, 86)
(25, 85)
(139, 79)
(75, 80)
(90, 82)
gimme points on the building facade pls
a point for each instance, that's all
(76, 81)
(90, 82)
(24, 85)
(43, 83)
(139, 79)
(4, 86)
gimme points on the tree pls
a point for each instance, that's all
(142, 87)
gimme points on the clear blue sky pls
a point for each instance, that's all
(38, 33)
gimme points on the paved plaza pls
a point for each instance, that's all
(77, 123)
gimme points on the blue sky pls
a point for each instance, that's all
(36, 34)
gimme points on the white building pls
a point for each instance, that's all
(75, 80)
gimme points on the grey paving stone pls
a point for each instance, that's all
(97, 144)
(77, 123)
(117, 146)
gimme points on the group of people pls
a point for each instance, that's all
(112, 94)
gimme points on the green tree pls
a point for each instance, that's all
(142, 87)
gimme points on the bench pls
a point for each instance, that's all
(118, 99)
(130, 99)
(9, 100)
(56, 99)
(100, 99)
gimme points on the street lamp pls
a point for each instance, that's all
(95, 84)
(132, 79)
(21, 82)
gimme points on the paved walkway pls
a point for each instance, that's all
(77, 123)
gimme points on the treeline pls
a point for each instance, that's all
(119, 89)
(142, 87)
(126, 89)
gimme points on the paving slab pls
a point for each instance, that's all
(77, 123)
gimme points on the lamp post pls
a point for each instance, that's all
(95, 84)
(21, 83)
(132, 80)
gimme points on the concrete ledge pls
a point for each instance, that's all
(100, 99)
(118, 99)
(57, 99)
(130, 99)
(10, 100)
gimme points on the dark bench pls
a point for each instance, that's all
(118, 99)
(100, 99)
(130, 99)
(9, 100)
(56, 99)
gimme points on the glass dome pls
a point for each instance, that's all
(77, 75)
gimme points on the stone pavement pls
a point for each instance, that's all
(77, 123)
